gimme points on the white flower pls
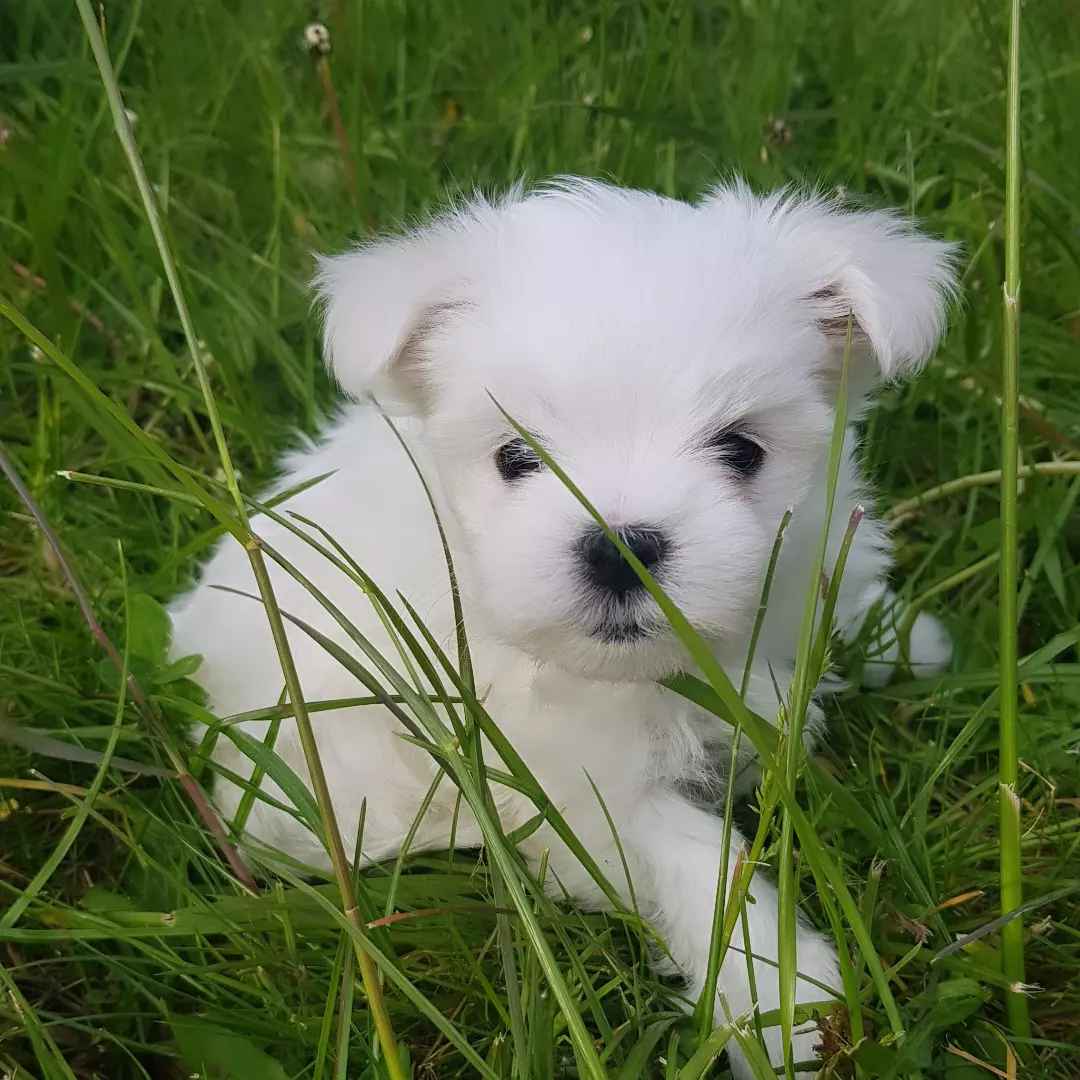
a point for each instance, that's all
(317, 38)
(219, 475)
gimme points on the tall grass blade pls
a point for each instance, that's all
(805, 679)
(720, 697)
(331, 833)
(1010, 873)
(705, 1008)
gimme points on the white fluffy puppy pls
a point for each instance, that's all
(680, 362)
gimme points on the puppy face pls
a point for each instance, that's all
(688, 429)
(678, 362)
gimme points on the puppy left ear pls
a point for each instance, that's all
(386, 302)
(890, 281)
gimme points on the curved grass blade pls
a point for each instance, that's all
(38, 742)
(725, 703)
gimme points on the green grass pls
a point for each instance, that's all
(138, 954)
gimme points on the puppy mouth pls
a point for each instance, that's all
(620, 626)
(621, 633)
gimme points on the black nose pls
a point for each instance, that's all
(605, 567)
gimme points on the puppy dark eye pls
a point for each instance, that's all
(515, 460)
(738, 451)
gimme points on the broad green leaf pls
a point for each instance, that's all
(149, 629)
(222, 1055)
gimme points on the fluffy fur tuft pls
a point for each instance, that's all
(893, 280)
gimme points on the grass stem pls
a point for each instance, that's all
(989, 478)
(332, 834)
(1010, 872)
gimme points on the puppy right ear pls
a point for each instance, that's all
(385, 303)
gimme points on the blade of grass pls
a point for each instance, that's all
(990, 478)
(735, 710)
(524, 780)
(283, 712)
(330, 1007)
(705, 1006)
(45, 745)
(247, 800)
(407, 843)
(107, 407)
(911, 612)
(832, 594)
(707, 1051)
(345, 1011)
(266, 761)
(805, 679)
(94, 480)
(719, 697)
(763, 603)
(331, 832)
(1011, 869)
(1007, 918)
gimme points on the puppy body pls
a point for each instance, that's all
(651, 346)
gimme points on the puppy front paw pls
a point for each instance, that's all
(927, 651)
(929, 647)
(880, 619)
(819, 981)
(806, 1040)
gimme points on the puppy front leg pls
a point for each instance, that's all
(676, 849)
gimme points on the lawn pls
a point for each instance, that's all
(129, 947)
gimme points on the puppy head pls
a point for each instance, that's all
(678, 361)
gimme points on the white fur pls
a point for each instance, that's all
(623, 329)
